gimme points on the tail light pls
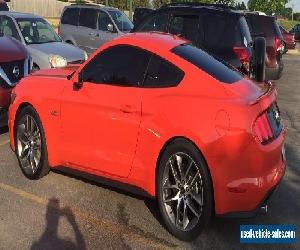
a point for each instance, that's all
(268, 125)
(242, 53)
(278, 44)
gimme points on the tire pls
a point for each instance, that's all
(259, 59)
(30, 144)
(35, 67)
(192, 191)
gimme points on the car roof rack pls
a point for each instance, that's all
(196, 4)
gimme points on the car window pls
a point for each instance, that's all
(70, 16)
(118, 65)
(217, 69)
(185, 26)
(103, 21)
(121, 20)
(221, 31)
(157, 22)
(37, 31)
(162, 73)
(88, 18)
(8, 28)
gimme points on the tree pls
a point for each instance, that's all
(268, 6)
(241, 6)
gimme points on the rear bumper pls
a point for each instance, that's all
(276, 72)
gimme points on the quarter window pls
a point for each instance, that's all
(162, 73)
(119, 65)
(88, 18)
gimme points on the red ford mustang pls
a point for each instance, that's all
(152, 111)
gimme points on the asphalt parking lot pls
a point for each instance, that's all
(64, 212)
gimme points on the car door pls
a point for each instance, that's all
(100, 121)
(102, 34)
(87, 29)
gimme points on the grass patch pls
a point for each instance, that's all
(288, 24)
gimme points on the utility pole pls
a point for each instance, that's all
(106, 2)
(130, 10)
(293, 12)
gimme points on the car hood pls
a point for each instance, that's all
(70, 52)
(11, 50)
(58, 72)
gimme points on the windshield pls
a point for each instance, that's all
(37, 31)
(121, 20)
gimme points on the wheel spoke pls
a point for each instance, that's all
(188, 170)
(198, 198)
(179, 165)
(171, 187)
(192, 208)
(185, 220)
(194, 179)
(174, 172)
(177, 222)
(32, 162)
(175, 198)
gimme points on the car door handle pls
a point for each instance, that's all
(94, 34)
(127, 109)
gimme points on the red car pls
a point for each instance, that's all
(289, 39)
(154, 112)
(14, 64)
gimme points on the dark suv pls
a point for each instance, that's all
(218, 29)
(266, 26)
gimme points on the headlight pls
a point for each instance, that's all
(85, 55)
(57, 61)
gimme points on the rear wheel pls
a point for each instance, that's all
(30, 144)
(184, 190)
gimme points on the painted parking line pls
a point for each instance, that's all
(4, 143)
(115, 228)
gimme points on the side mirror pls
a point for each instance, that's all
(259, 68)
(110, 28)
(77, 85)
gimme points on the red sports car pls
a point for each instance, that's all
(153, 111)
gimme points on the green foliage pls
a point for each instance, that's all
(288, 24)
(268, 6)
(241, 6)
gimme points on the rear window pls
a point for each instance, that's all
(217, 69)
(262, 26)
(157, 22)
(70, 16)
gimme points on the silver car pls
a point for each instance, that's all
(89, 26)
(44, 45)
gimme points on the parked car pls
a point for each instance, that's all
(15, 63)
(140, 13)
(217, 138)
(296, 30)
(266, 26)
(218, 29)
(89, 26)
(3, 5)
(45, 46)
(289, 39)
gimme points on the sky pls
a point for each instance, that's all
(296, 4)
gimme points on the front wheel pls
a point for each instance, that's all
(184, 190)
(30, 144)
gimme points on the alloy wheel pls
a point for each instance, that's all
(29, 144)
(183, 191)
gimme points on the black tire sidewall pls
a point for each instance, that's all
(182, 145)
(43, 167)
(259, 59)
